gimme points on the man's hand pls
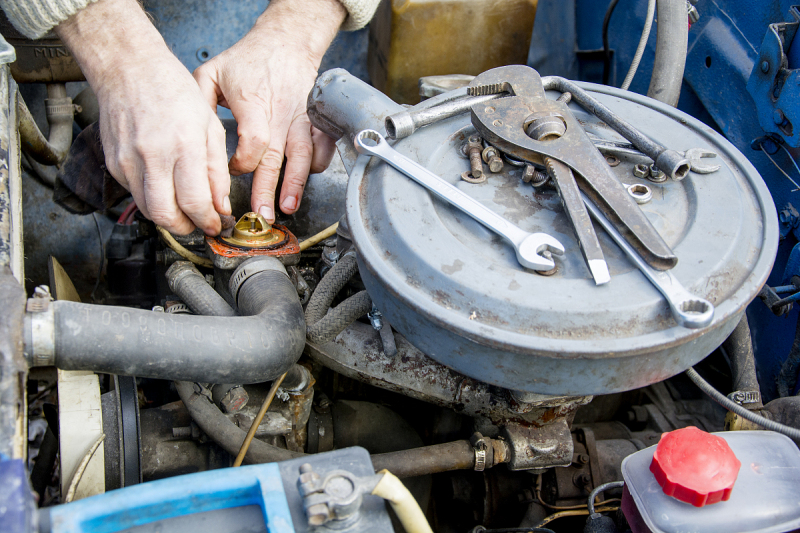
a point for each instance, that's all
(161, 140)
(264, 80)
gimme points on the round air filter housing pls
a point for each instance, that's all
(457, 292)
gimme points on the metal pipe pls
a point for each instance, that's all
(60, 112)
(671, 45)
(669, 161)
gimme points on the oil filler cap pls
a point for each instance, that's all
(695, 467)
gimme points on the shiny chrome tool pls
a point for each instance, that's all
(531, 127)
(528, 246)
(689, 311)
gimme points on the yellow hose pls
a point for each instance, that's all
(181, 251)
(403, 503)
(321, 236)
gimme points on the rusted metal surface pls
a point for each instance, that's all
(357, 353)
(227, 256)
(542, 447)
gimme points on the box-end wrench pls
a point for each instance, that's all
(528, 246)
(689, 311)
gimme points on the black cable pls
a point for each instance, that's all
(481, 529)
(606, 49)
(102, 255)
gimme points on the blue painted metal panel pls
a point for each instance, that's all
(193, 493)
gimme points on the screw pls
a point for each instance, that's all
(491, 157)
(641, 170)
(534, 176)
(547, 255)
(182, 432)
(765, 66)
(474, 149)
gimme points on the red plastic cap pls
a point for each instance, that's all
(695, 467)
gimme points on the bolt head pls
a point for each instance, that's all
(765, 66)
(641, 171)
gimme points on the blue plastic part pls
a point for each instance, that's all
(17, 506)
(179, 496)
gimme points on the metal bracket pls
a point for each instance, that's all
(745, 397)
(774, 84)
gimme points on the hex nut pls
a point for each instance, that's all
(641, 170)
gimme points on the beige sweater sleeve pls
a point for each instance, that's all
(34, 18)
(359, 13)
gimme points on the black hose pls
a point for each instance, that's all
(339, 318)
(225, 433)
(329, 286)
(606, 50)
(787, 378)
(734, 407)
(739, 347)
(135, 342)
(191, 286)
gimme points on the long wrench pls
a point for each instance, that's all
(689, 311)
(528, 246)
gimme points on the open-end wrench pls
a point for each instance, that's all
(528, 246)
(689, 311)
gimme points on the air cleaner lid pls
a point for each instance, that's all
(457, 292)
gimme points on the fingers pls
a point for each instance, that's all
(204, 75)
(254, 137)
(265, 179)
(193, 191)
(299, 156)
(218, 176)
(324, 148)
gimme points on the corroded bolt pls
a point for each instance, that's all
(641, 170)
(491, 157)
(234, 400)
(656, 174)
(534, 176)
(474, 149)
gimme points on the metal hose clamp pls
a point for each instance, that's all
(250, 267)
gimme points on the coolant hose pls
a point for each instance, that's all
(254, 348)
(671, 45)
(739, 347)
(324, 327)
(191, 286)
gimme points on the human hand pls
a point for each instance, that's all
(161, 140)
(264, 80)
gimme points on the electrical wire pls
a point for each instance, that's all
(126, 213)
(321, 236)
(597, 490)
(562, 514)
(734, 407)
(637, 57)
(538, 493)
(606, 50)
(257, 420)
(181, 251)
(102, 255)
(76, 478)
(797, 187)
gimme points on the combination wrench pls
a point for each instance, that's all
(528, 246)
(689, 311)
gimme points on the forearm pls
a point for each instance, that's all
(308, 26)
(111, 40)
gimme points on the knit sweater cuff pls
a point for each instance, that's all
(359, 13)
(34, 18)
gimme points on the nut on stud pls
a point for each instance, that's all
(641, 170)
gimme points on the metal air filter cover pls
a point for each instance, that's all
(457, 292)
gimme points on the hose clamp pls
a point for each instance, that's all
(480, 460)
(743, 397)
(252, 266)
(40, 345)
